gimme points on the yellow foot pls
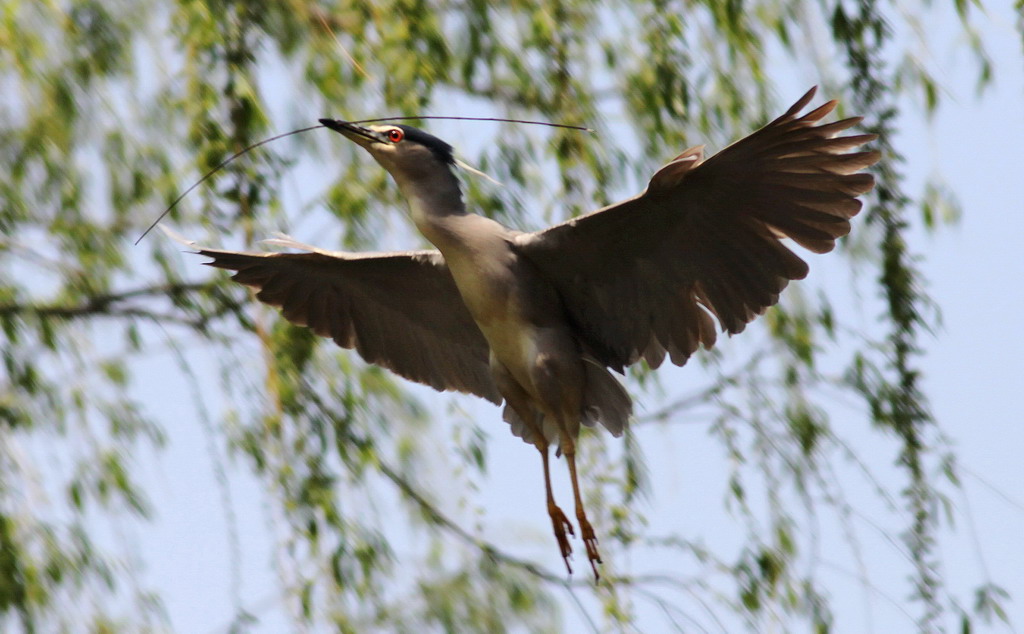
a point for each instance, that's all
(590, 541)
(561, 524)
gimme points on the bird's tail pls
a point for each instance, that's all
(605, 401)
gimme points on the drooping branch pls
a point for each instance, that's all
(438, 518)
(893, 393)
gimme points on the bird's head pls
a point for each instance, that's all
(407, 153)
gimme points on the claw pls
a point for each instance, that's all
(590, 541)
(561, 524)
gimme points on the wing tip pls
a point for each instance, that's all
(802, 101)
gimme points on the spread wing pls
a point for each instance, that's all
(401, 311)
(645, 276)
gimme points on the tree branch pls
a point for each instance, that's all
(106, 305)
(432, 513)
(692, 400)
(100, 303)
(435, 516)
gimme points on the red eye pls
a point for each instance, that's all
(395, 135)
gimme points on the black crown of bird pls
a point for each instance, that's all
(540, 320)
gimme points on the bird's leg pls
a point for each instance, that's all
(558, 519)
(586, 530)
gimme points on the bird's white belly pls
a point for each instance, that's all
(518, 314)
(514, 344)
(511, 337)
(500, 313)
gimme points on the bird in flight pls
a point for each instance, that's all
(540, 320)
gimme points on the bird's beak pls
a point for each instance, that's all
(356, 133)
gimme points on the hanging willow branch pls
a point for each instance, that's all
(892, 391)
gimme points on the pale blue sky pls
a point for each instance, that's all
(974, 375)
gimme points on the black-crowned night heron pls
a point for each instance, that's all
(539, 319)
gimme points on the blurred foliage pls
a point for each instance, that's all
(110, 107)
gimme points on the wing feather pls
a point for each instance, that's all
(643, 278)
(401, 311)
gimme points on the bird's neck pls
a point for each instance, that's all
(435, 205)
